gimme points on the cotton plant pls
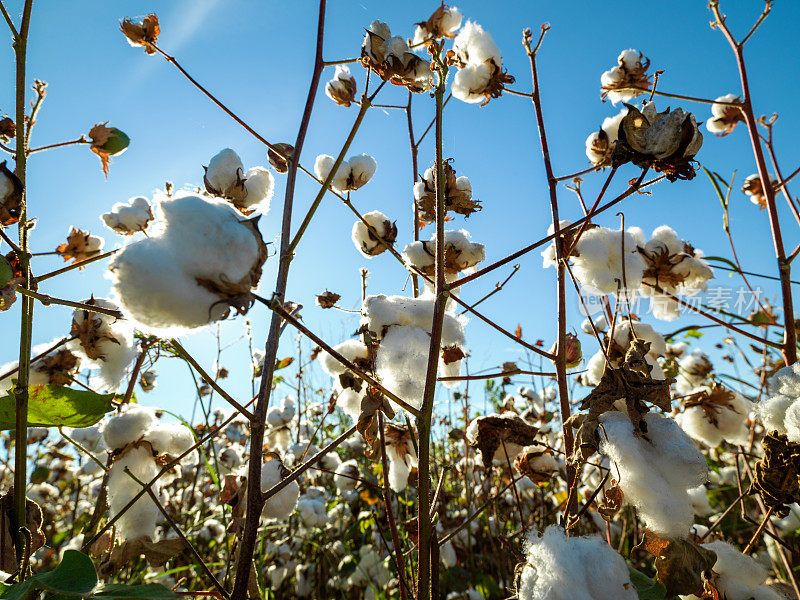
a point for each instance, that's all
(137, 438)
(656, 470)
(352, 174)
(201, 259)
(248, 191)
(713, 414)
(598, 259)
(600, 143)
(375, 239)
(627, 79)
(676, 267)
(104, 342)
(127, 218)
(558, 567)
(480, 76)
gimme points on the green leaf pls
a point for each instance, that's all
(693, 333)
(147, 591)
(646, 588)
(56, 406)
(284, 362)
(75, 575)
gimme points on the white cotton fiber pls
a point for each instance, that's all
(127, 218)
(402, 362)
(260, 185)
(224, 169)
(128, 426)
(574, 568)
(140, 520)
(658, 488)
(352, 349)
(281, 505)
(170, 438)
(781, 412)
(352, 173)
(364, 240)
(194, 238)
(470, 81)
(724, 420)
(475, 46)
(346, 477)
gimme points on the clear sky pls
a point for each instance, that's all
(257, 57)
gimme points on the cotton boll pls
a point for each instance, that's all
(282, 414)
(212, 530)
(470, 81)
(260, 185)
(724, 116)
(402, 362)
(347, 475)
(693, 371)
(353, 350)
(700, 503)
(380, 312)
(792, 422)
(447, 554)
(90, 438)
(351, 174)
(716, 414)
(224, 170)
(366, 241)
(170, 438)
(104, 342)
(443, 23)
(128, 426)
(229, 460)
(281, 505)
(658, 488)
(312, 510)
(475, 46)
(342, 88)
(562, 568)
(598, 260)
(461, 254)
(349, 401)
(140, 519)
(165, 281)
(741, 577)
(129, 218)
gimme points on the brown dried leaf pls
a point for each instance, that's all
(33, 522)
(142, 33)
(612, 502)
(10, 204)
(493, 430)
(368, 419)
(327, 299)
(681, 566)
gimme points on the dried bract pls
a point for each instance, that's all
(342, 88)
(457, 194)
(392, 60)
(142, 32)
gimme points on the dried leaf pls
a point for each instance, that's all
(518, 332)
(33, 522)
(681, 566)
(142, 33)
(368, 419)
(612, 502)
(496, 429)
(284, 362)
(327, 299)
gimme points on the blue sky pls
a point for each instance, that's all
(257, 57)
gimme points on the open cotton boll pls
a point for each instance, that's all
(56, 367)
(600, 144)
(366, 241)
(724, 116)
(224, 170)
(630, 72)
(549, 253)
(786, 382)
(475, 46)
(90, 438)
(402, 362)
(575, 568)
(470, 81)
(460, 254)
(346, 477)
(170, 438)
(700, 503)
(349, 400)
(129, 218)
(140, 519)
(658, 488)
(443, 23)
(353, 350)
(351, 174)
(282, 414)
(128, 426)
(693, 371)
(741, 577)
(202, 258)
(104, 342)
(281, 505)
(715, 414)
(597, 260)
(379, 312)
(260, 185)
(674, 266)
(212, 530)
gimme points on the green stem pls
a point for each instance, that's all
(26, 326)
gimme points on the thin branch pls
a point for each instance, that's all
(47, 300)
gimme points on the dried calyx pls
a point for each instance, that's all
(457, 194)
(666, 141)
(142, 32)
